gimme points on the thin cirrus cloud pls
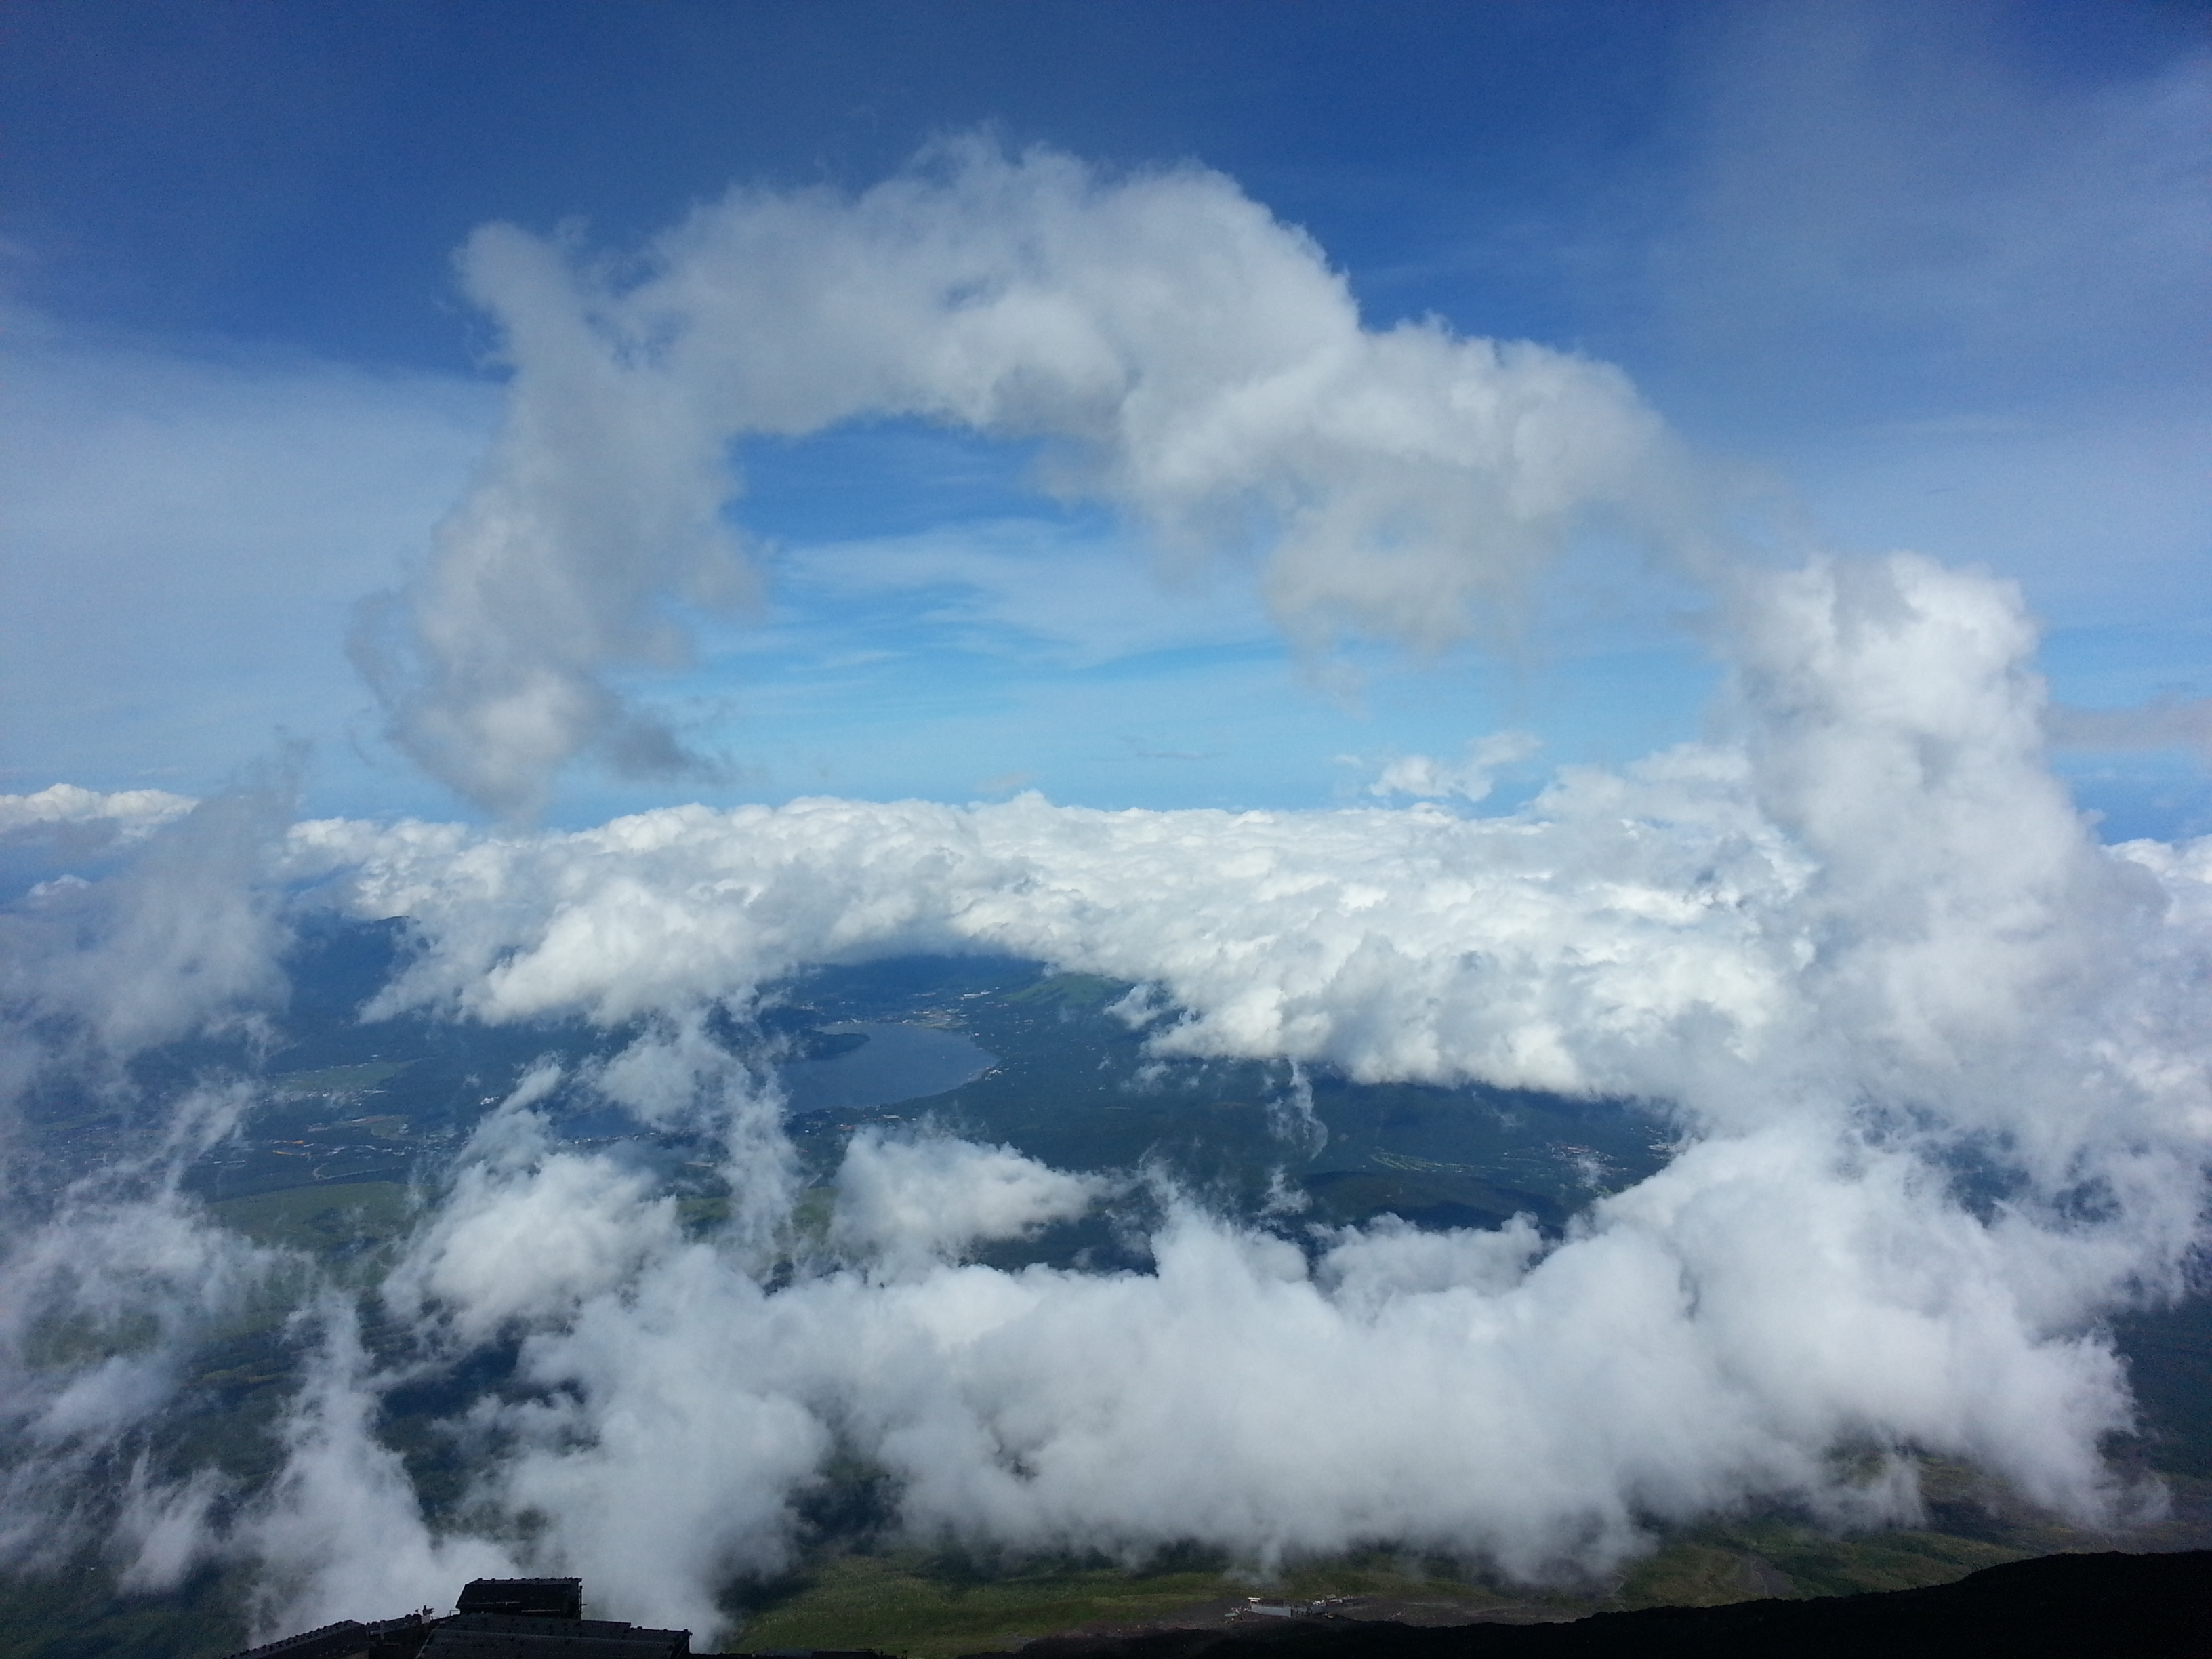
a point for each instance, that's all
(186, 538)
(1064, 596)
(1941, 218)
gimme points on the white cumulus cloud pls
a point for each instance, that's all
(1194, 361)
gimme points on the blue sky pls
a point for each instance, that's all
(1934, 275)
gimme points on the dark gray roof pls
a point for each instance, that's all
(528, 1598)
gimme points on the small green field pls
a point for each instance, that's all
(905, 1606)
(926, 1609)
(354, 1214)
(929, 1607)
(382, 1126)
(1716, 1565)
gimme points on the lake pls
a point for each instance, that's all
(897, 1062)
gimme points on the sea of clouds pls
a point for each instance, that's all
(1860, 944)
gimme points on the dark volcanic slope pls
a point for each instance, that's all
(2096, 1606)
